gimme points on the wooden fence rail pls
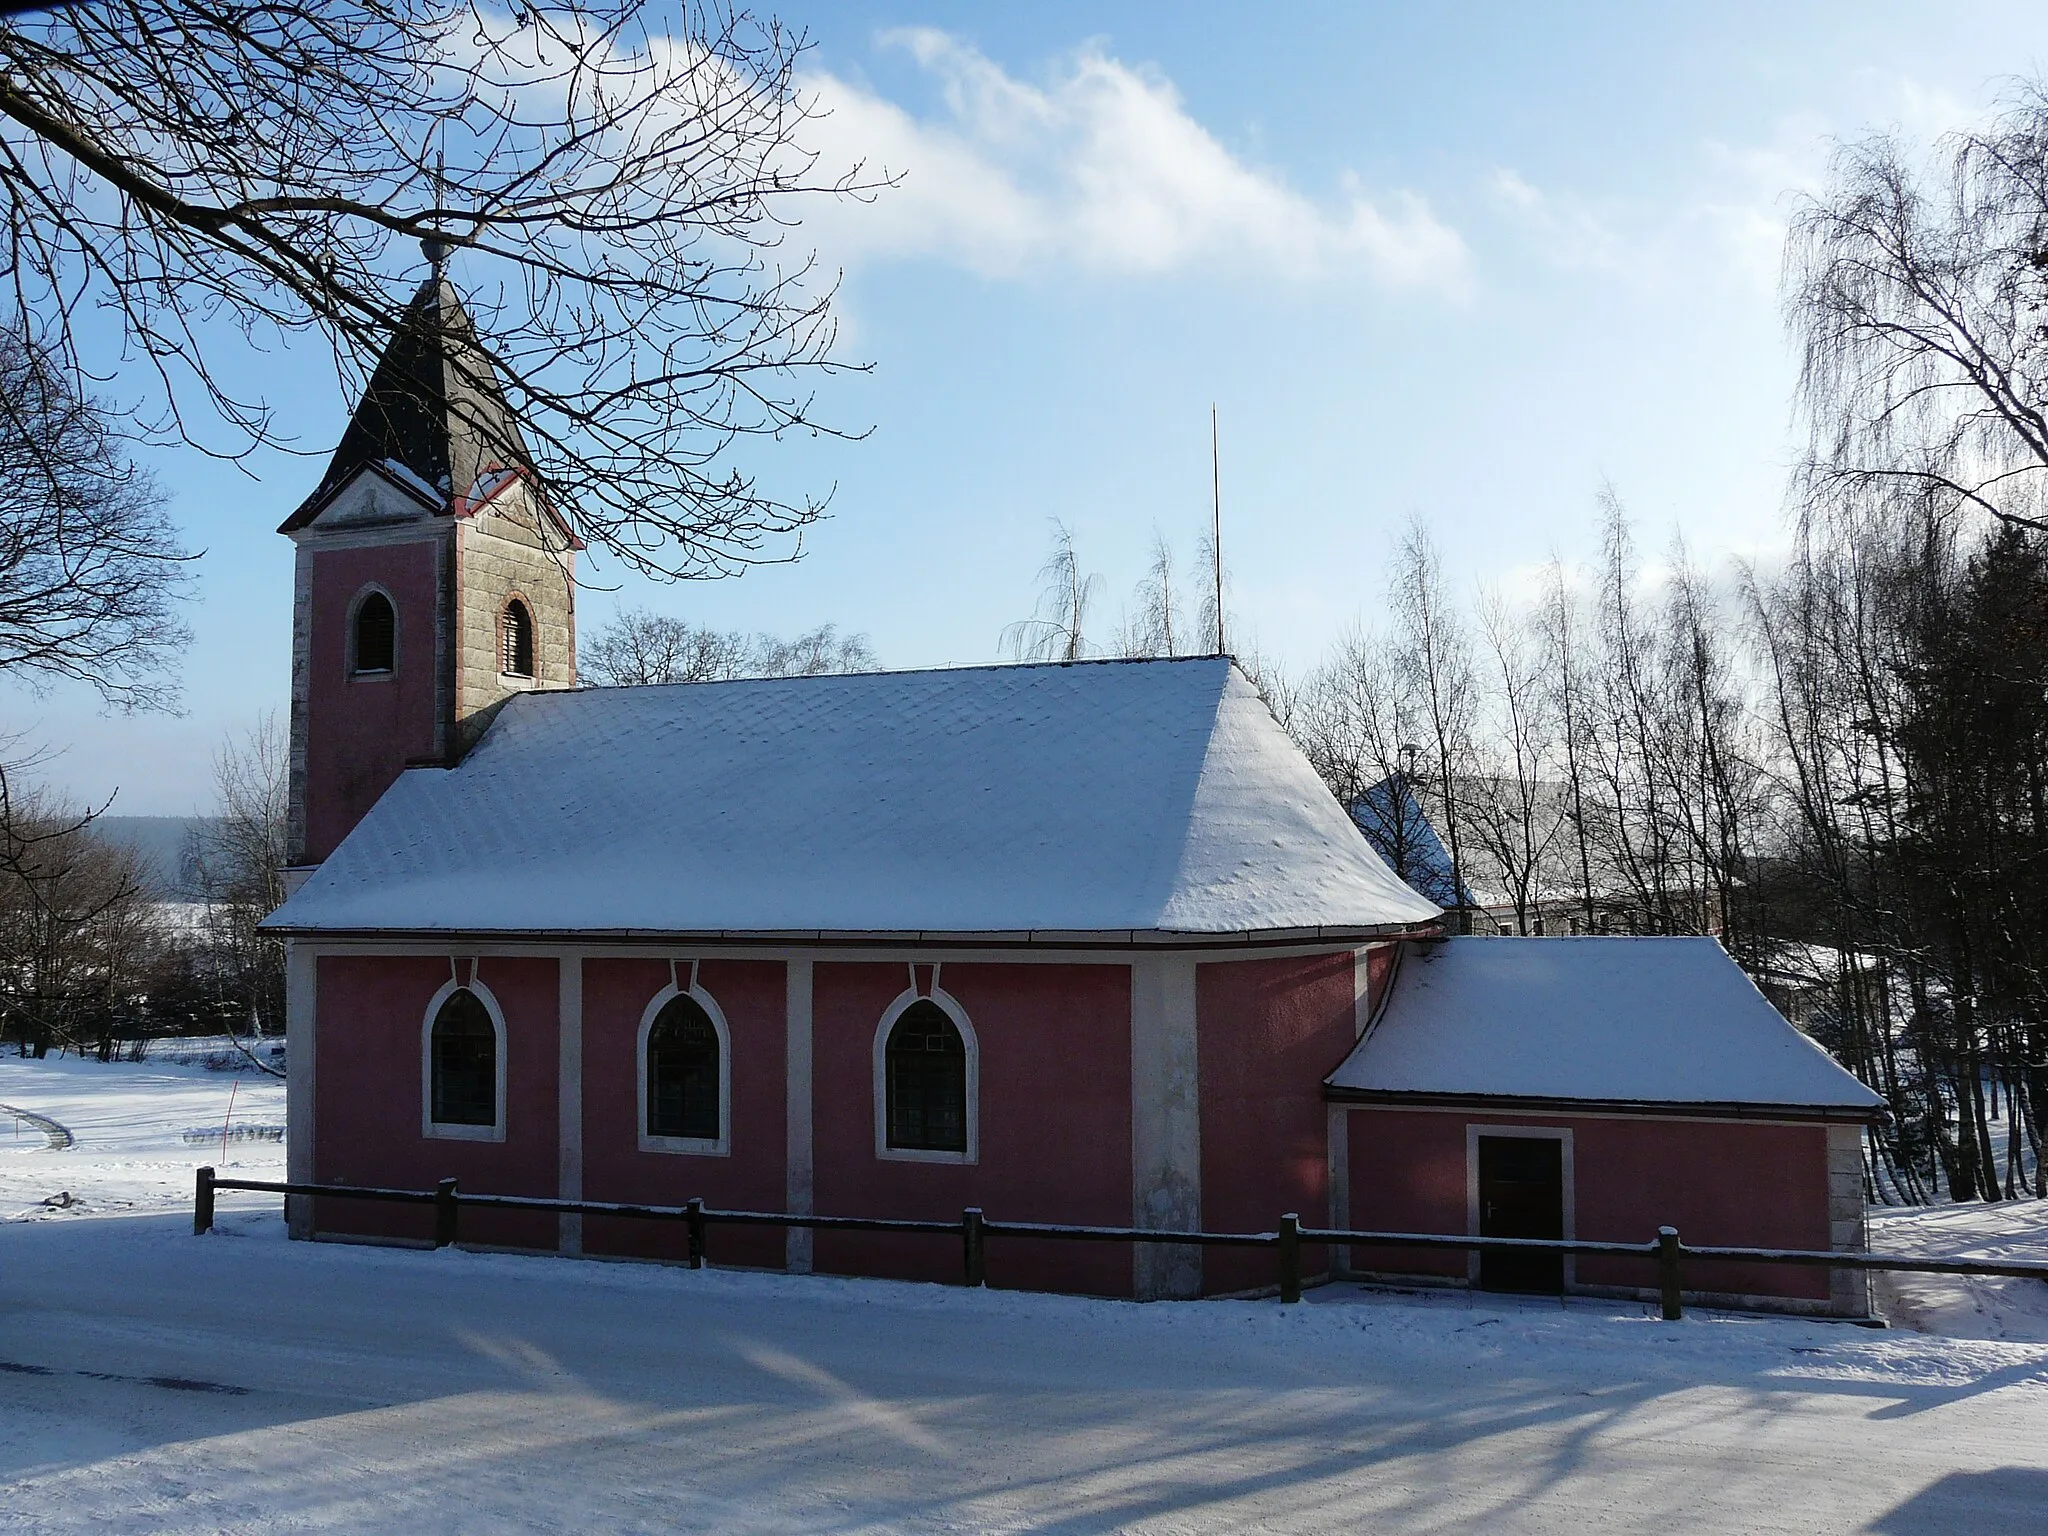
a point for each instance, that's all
(974, 1228)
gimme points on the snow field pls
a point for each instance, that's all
(154, 1381)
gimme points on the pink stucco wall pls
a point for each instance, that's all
(369, 1090)
(751, 996)
(361, 732)
(1719, 1182)
(1055, 1109)
(1269, 1032)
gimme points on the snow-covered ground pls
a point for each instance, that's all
(1960, 1306)
(154, 1381)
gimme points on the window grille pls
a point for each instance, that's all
(927, 1081)
(682, 1072)
(465, 1062)
(515, 635)
(376, 636)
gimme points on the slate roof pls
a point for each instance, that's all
(1118, 798)
(1399, 830)
(1666, 1022)
(434, 411)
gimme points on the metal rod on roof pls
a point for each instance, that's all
(1216, 521)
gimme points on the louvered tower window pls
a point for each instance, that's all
(515, 640)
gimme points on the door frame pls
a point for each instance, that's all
(1566, 1174)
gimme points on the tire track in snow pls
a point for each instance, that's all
(60, 1137)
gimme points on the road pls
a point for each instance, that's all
(153, 1381)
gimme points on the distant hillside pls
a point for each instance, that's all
(162, 843)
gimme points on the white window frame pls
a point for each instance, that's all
(692, 1146)
(355, 609)
(1567, 1172)
(429, 1126)
(952, 1009)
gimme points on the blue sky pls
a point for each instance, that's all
(1460, 262)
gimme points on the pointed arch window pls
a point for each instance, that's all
(515, 640)
(465, 1078)
(685, 1072)
(682, 1073)
(373, 638)
(927, 1090)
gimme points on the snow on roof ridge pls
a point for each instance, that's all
(943, 668)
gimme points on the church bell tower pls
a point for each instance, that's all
(432, 578)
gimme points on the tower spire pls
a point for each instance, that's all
(434, 243)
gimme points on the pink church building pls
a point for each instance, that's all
(1083, 943)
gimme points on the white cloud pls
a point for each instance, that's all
(1101, 167)
(1727, 218)
(1570, 234)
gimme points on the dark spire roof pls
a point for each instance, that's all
(1394, 822)
(434, 408)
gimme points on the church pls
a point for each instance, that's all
(1083, 943)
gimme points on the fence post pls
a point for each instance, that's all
(1668, 1278)
(1290, 1257)
(693, 1217)
(202, 1203)
(972, 1236)
(445, 1214)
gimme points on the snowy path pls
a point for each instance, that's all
(406, 1391)
(154, 1381)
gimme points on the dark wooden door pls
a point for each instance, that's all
(1521, 1194)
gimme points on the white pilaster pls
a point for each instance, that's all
(798, 1191)
(1339, 1140)
(1361, 991)
(569, 1100)
(301, 975)
(1166, 1123)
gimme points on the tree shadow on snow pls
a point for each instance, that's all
(321, 1371)
(2007, 1498)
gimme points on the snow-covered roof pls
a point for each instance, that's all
(1608, 1020)
(1142, 798)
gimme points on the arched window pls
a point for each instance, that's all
(374, 645)
(682, 1072)
(926, 1070)
(462, 1056)
(515, 640)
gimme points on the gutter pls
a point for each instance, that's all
(1517, 1103)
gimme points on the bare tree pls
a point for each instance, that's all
(90, 568)
(1056, 631)
(616, 197)
(1163, 623)
(1433, 656)
(1566, 668)
(78, 934)
(1347, 718)
(240, 853)
(640, 647)
(1515, 808)
(1916, 299)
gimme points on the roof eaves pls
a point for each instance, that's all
(1033, 938)
(1519, 1103)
